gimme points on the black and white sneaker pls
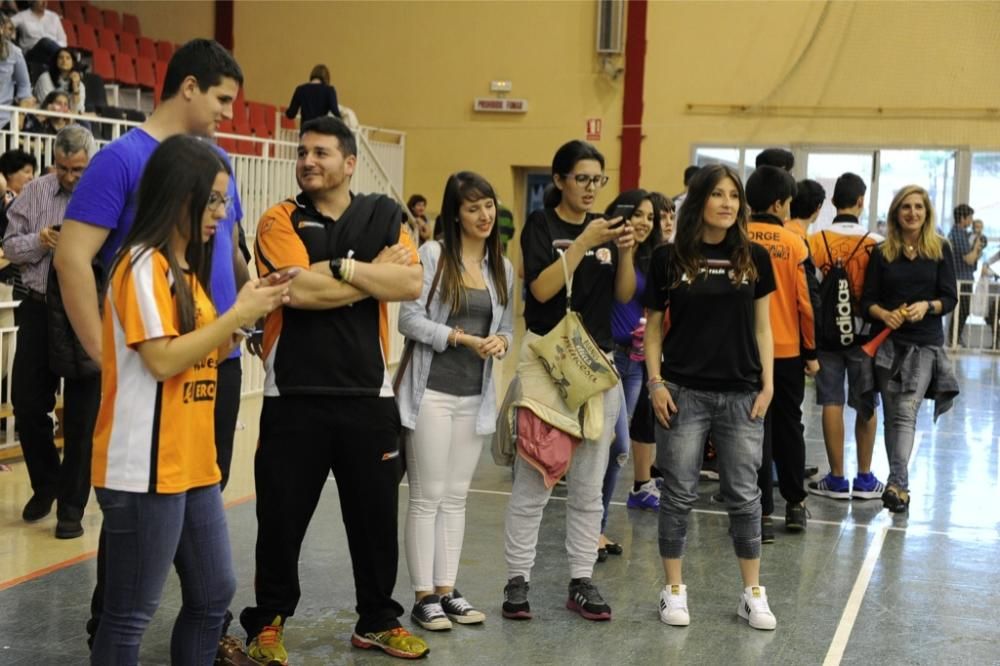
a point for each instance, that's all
(459, 610)
(586, 600)
(515, 599)
(429, 614)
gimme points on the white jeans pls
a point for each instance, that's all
(441, 457)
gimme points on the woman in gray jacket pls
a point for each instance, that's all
(446, 394)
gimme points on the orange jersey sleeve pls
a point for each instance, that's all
(278, 246)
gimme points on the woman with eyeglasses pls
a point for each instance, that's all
(600, 263)
(154, 461)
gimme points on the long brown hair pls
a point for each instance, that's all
(467, 186)
(691, 227)
(930, 244)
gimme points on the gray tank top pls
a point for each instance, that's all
(459, 370)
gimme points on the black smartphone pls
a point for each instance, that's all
(624, 211)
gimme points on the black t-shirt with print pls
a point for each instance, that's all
(593, 281)
(711, 345)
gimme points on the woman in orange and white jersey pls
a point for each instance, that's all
(154, 463)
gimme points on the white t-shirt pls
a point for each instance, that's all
(31, 29)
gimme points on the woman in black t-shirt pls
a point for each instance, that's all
(717, 364)
(600, 262)
(909, 286)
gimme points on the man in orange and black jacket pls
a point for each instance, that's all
(769, 192)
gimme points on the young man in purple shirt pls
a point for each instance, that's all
(201, 83)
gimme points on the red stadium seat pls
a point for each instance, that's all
(145, 73)
(111, 20)
(92, 16)
(70, 29)
(164, 50)
(125, 70)
(102, 65)
(286, 122)
(262, 116)
(128, 44)
(130, 24)
(147, 48)
(107, 39)
(86, 37)
(73, 10)
(160, 68)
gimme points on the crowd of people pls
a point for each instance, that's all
(707, 311)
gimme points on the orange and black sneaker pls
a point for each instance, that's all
(397, 642)
(268, 647)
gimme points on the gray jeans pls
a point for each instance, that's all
(900, 415)
(584, 508)
(738, 443)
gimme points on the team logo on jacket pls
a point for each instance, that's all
(603, 255)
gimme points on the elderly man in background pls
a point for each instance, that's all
(32, 236)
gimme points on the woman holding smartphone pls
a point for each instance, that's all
(599, 260)
(154, 462)
(447, 395)
(712, 373)
(627, 320)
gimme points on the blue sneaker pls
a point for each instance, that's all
(836, 487)
(866, 486)
(647, 497)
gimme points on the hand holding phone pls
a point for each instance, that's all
(281, 277)
(623, 211)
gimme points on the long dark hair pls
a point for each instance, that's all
(467, 186)
(563, 162)
(54, 72)
(691, 226)
(173, 194)
(644, 251)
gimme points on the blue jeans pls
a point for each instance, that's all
(738, 442)
(146, 534)
(632, 374)
(899, 412)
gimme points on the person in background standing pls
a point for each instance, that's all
(967, 249)
(31, 237)
(909, 286)
(316, 98)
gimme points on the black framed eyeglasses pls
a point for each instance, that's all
(215, 200)
(583, 180)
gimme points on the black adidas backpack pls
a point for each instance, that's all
(837, 323)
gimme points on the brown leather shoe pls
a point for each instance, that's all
(232, 653)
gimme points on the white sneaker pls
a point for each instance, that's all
(674, 605)
(754, 609)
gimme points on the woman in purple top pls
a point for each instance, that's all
(643, 216)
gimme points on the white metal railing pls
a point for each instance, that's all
(981, 331)
(263, 180)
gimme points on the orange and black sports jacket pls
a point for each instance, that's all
(792, 318)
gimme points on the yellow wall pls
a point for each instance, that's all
(173, 20)
(899, 55)
(416, 66)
